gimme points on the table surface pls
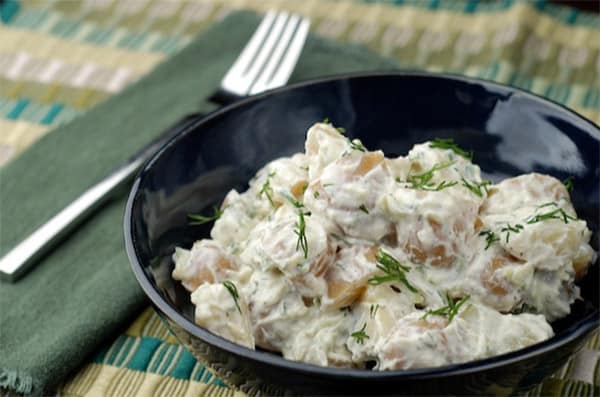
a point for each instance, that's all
(545, 48)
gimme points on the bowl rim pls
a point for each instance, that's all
(572, 333)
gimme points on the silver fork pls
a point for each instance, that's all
(266, 62)
(269, 58)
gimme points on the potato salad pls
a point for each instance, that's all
(342, 257)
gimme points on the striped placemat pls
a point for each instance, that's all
(59, 58)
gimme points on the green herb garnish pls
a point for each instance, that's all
(233, 292)
(316, 194)
(198, 219)
(442, 185)
(423, 181)
(393, 270)
(300, 226)
(558, 213)
(490, 237)
(373, 310)
(357, 145)
(476, 187)
(360, 335)
(341, 130)
(569, 185)
(326, 121)
(450, 310)
(293, 201)
(363, 208)
(448, 143)
(508, 229)
(267, 190)
(301, 233)
(525, 308)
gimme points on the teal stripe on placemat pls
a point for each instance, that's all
(114, 350)
(98, 35)
(434, 4)
(66, 28)
(29, 19)
(592, 98)
(65, 115)
(124, 352)
(18, 108)
(521, 81)
(162, 355)
(157, 358)
(144, 353)
(35, 112)
(8, 9)
(99, 358)
(199, 374)
(6, 105)
(564, 14)
(55, 109)
(471, 6)
(185, 365)
(558, 92)
(166, 360)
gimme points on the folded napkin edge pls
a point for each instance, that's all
(16, 381)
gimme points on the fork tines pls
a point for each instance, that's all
(269, 57)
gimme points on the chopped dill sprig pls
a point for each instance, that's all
(300, 226)
(393, 270)
(508, 229)
(301, 233)
(233, 292)
(316, 194)
(341, 130)
(490, 237)
(267, 190)
(355, 144)
(373, 310)
(476, 187)
(450, 310)
(558, 213)
(293, 201)
(423, 180)
(360, 335)
(448, 143)
(569, 185)
(326, 121)
(197, 219)
(363, 208)
(548, 204)
(441, 186)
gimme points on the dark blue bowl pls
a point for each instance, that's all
(511, 132)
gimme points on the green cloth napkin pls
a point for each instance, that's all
(54, 318)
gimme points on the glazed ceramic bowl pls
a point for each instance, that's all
(511, 132)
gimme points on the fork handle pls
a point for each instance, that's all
(223, 97)
(25, 254)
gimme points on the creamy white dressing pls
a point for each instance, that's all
(306, 246)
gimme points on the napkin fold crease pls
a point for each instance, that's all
(83, 293)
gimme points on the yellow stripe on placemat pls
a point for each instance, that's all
(593, 115)
(150, 324)
(49, 47)
(108, 380)
(16, 136)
